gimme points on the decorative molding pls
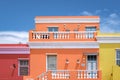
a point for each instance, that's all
(91, 44)
(94, 53)
(23, 58)
(14, 50)
(67, 20)
(108, 39)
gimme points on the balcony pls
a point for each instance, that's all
(62, 36)
(70, 75)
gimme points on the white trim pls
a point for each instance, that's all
(46, 63)
(23, 58)
(117, 48)
(14, 52)
(116, 56)
(90, 53)
(51, 53)
(72, 44)
(67, 20)
(108, 39)
(8, 50)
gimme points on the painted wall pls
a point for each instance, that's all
(62, 27)
(107, 56)
(38, 59)
(116, 72)
(7, 71)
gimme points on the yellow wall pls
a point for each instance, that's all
(107, 60)
(107, 34)
(116, 72)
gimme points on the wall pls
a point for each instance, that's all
(116, 72)
(38, 59)
(61, 27)
(7, 71)
(107, 59)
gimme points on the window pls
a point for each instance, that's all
(51, 62)
(92, 62)
(23, 67)
(52, 29)
(92, 28)
(90, 34)
(118, 57)
(91, 57)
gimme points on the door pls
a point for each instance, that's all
(51, 62)
(92, 66)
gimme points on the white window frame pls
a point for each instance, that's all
(91, 61)
(52, 27)
(116, 57)
(19, 65)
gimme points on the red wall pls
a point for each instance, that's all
(7, 71)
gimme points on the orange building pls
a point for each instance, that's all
(64, 47)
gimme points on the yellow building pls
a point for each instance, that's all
(109, 53)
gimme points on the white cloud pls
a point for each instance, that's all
(13, 37)
(110, 21)
(113, 15)
(86, 13)
(97, 11)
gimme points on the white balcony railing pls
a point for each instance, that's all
(63, 35)
(70, 75)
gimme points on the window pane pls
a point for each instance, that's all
(118, 62)
(51, 62)
(52, 29)
(92, 57)
(23, 67)
(23, 70)
(23, 62)
(91, 28)
(118, 55)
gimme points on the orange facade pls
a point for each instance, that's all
(64, 47)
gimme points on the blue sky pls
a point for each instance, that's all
(17, 16)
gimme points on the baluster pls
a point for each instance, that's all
(81, 74)
(96, 75)
(82, 35)
(33, 35)
(59, 35)
(87, 35)
(62, 35)
(79, 36)
(76, 35)
(63, 74)
(37, 36)
(78, 74)
(68, 35)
